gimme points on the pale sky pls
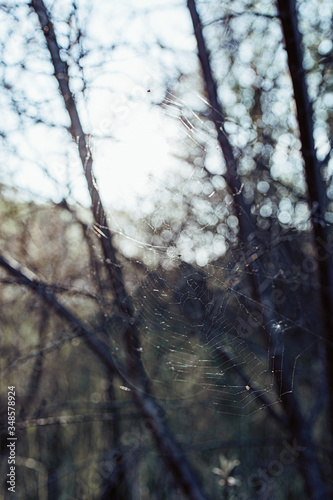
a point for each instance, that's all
(142, 137)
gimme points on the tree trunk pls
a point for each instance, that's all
(169, 449)
(262, 287)
(317, 196)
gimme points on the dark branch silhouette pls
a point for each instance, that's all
(170, 451)
(261, 286)
(317, 196)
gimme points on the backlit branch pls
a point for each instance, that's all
(315, 184)
(169, 449)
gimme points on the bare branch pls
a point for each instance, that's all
(170, 451)
(44, 291)
(218, 116)
(263, 294)
(232, 15)
(316, 188)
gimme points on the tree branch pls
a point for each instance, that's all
(169, 449)
(316, 188)
(290, 404)
(218, 116)
(44, 291)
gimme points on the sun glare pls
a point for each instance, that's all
(142, 150)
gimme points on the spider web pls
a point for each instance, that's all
(203, 335)
(206, 345)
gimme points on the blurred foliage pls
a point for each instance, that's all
(79, 432)
(75, 426)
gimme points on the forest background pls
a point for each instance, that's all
(166, 255)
